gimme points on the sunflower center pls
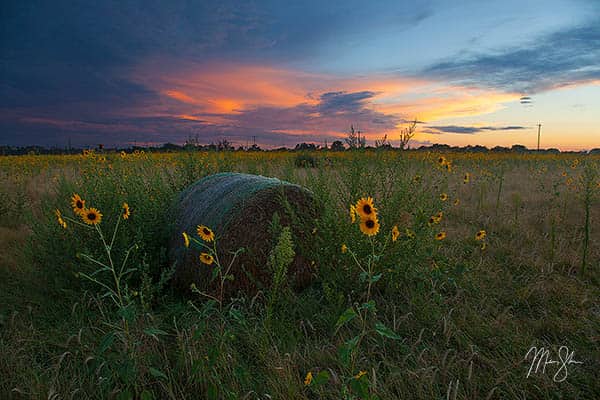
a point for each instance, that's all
(367, 209)
(206, 231)
(79, 204)
(370, 223)
(91, 216)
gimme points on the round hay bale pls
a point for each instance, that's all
(240, 209)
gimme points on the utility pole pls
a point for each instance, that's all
(539, 131)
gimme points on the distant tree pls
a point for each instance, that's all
(305, 146)
(224, 145)
(406, 134)
(519, 148)
(383, 143)
(337, 146)
(354, 140)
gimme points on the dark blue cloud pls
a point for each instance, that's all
(343, 102)
(564, 57)
(469, 130)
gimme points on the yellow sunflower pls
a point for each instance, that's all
(467, 178)
(456, 202)
(360, 375)
(344, 248)
(440, 236)
(365, 208)
(352, 213)
(480, 235)
(206, 258)
(91, 216)
(369, 226)
(186, 239)
(483, 246)
(308, 379)
(410, 234)
(438, 217)
(417, 179)
(126, 211)
(395, 233)
(77, 203)
(60, 219)
(441, 160)
(205, 233)
(443, 197)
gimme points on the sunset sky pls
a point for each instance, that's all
(150, 72)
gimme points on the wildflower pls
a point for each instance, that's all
(314, 231)
(60, 219)
(352, 213)
(456, 202)
(123, 154)
(186, 239)
(448, 166)
(91, 216)
(438, 217)
(432, 220)
(417, 179)
(206, 258)
(483, 246)
(480, 235)
(467, 178)
(442, 160)
(365, 209)
(443, 197)
(126, 211)
(205, 233)
(360, 375)
(440, 236)
(410, 234)
(308, 379)
(77, 203)
(395, 233)
(344, 248)
(564, 173)
(369, 226)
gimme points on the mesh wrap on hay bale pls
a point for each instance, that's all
(239, 208)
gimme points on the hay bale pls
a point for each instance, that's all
(239, 208)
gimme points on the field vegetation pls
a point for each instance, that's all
(469, 260)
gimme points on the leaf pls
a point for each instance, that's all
(345, 351)
(375, 278)
(106, 342)
(127, 313)
(321, 378)
(384, 331)
(157, 373)
(370, 305)
(154, 332)
(346, 317)
(146, 395)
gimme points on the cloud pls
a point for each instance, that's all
(569, 56)
(469, 130)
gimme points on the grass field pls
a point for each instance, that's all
(410, 318)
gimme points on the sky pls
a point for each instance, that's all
(127, 72)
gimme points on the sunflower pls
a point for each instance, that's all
(480, 235)
(344, 248)
(483, 246)
(440, 236)
(206, 258)
(308, 379)
(91, 216)
(126, 211)
(395, 233)
(441, 160)
(365, 208)
(467, 178)
(352, 213)
(369, 226)
(360, 375)
(410, 234)
(432, 220)
(417, 179)
(443, 197)
(60, 219)
(186, 239)
(456, 202)
(448, 166)
(77, 203)
(438, 217)
(205, 233)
